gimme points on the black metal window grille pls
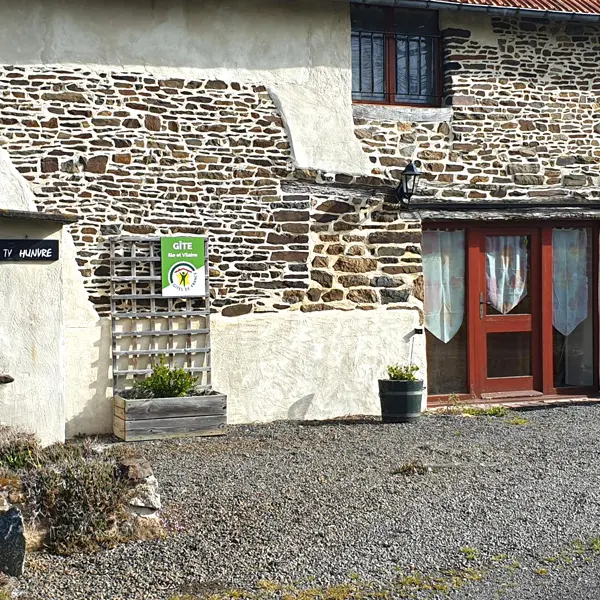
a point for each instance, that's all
(395, 67)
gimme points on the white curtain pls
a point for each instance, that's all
(444, 275)
(506, 270)
(569, 279)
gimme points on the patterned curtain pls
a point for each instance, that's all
(569, 278)
(444, 275)
(506, 270)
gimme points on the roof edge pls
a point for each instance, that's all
(553, 15)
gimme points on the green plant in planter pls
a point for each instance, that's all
(402, 372)
(165, 382)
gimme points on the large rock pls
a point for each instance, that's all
(12, 542)
(135, 468)
(145, 496)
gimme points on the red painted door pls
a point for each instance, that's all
(505, 307)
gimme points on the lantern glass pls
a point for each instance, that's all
(408, 181)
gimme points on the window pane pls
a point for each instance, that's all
(506, 272)
(368, 66)
(416, 59)
(573, 341)
(444, 306)
(509, 354)
(447, 363)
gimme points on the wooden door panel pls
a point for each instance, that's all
(484, 323)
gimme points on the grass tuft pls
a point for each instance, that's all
(415, 467)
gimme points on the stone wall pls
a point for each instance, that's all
(525, 122)
(130, 154)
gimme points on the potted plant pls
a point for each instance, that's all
(168, 404)
(401, 394)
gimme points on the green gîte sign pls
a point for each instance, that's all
(183, 266)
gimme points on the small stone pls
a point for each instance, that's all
(293, 296)
(122, 159)
(12, 542)
(333, 296)
(353, 280)
(362, 295)
(314, 294)
(71, 166)
(64, 97)
(419, 288)
(356, 250)
(236, 310)
(322, 277)
(290, 256)
(529, 179)
(335, 206)
(131, 123)
(315, 307)
(216, 85)
(320, 262)
(49, 164)
(97, 164)
(355, 265)
(394, 237)
(152, 122)
(394, 295)
(385, 282)
(574, 180)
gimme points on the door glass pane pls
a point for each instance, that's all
(506, 273)
(447, 363)
(509, 354)
(573, 341)
(444, 305)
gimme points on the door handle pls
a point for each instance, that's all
(481, 305)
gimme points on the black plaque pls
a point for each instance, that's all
(28, 250)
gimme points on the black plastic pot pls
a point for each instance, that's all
(400, 400)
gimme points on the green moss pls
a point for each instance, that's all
(469, 553)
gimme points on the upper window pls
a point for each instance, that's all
(395, 55)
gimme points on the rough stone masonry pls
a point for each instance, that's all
(132, 154)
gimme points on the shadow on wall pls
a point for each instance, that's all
(89, 408)
(300, 408)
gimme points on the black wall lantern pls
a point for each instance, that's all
(408, 183)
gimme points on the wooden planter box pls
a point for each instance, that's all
(158, 418)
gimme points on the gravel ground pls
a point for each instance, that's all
(319, 504)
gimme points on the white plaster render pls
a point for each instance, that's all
(298, 365)
(88, 356)
(299, 50)
(15, 193)
(32, 338)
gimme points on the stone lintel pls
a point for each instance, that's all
(403, 114)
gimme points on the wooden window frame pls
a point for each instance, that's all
(390, 66)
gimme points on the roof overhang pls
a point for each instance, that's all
(495, 9)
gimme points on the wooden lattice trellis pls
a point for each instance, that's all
(146, 326)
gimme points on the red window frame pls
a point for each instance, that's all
(390, 67)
